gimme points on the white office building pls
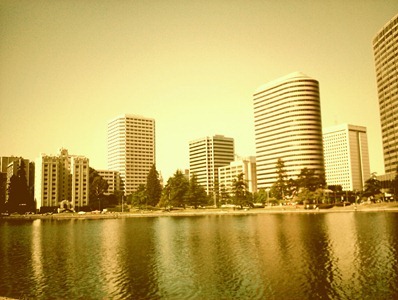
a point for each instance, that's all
(346, 156)
(206, 155)
(229, 173)
(131, 149)
(287, 122)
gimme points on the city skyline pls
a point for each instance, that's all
(67, 69)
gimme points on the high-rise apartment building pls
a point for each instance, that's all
(206, 155)
(346, 156)
(61, 178)
(131, 149)
(241, 165)
(287, 121)
(80, 181)
(385, 47)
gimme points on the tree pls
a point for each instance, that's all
(239, 188)
(19, 198)
(319, 195)
(12, 203)
(153, 187)
(165, 197)
(291, 187)
(224, 195)
(178, 185)
(261, 196)
(196, 194)
(372, 187)
(310, 180)
(97, 187)
(139, 196)
(305, 196)
(279, 188)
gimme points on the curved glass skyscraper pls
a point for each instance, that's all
(287, 117)
(385, 47)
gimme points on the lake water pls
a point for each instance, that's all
(351, 255)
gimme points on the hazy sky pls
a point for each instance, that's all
(68, 67)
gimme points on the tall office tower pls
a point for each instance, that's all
(346, 156)
(385, 48)
(287, 121)
(131, 149)
(206, 155)
(241, 165)
(60, 179)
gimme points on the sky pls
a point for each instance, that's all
(67, 67)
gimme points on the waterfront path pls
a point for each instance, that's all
(392, 206)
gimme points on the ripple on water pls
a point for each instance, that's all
(336, 256)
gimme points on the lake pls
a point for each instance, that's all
(345, 255)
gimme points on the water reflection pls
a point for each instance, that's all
(376, 255)
(331, 255)
(36, 252)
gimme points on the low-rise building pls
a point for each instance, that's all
(229, 173)
(114, 180)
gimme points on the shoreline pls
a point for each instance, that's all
(190, 212)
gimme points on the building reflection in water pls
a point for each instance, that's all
(37, 255)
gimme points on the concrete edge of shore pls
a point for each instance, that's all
(208, 212)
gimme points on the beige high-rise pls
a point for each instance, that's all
(346, 156)
(287, 122)
(131, 149)
(385, 47)
(206, 155)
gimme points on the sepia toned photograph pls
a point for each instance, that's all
(196, 149)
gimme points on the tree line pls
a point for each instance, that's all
(182, 191)
(311, 187)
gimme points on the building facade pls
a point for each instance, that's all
(80, 181)
(287, 122)
(113, 179)
(346, 156)
(60, 179)
(206, 155)
(241, 165)
(385, 48)
(131, 149)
